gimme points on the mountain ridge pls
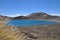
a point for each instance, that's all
(38, 15)
(5, 17)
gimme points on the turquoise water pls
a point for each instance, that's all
(29, 22)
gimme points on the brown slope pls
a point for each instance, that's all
(39, 15)
(4, 17)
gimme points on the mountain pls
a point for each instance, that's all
(21, 17)
(38, 15)
(4, 17)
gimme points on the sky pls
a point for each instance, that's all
(25, 7)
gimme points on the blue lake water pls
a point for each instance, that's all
(29, 22)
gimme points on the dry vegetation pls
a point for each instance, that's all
(8, 33)
(43, 32)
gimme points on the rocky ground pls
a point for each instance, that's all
(42, 32)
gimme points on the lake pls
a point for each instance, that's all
(29, 22)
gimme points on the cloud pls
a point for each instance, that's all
(14, 15)
(55, 14)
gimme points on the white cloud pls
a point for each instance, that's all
(14, 15)
(55, 14)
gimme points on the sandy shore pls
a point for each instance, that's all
(53, 20)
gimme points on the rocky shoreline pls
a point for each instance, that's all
(44, 32)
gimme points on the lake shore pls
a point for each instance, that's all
(53, 20)
(45, 32)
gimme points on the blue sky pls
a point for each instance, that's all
(25, 7)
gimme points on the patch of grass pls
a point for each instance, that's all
(5, 32)
(4, 35)
(42, 32)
